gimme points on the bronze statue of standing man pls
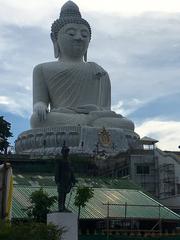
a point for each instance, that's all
(64, 177)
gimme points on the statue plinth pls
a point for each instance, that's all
(49, 140)
(67, 220)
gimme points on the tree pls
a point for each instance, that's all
(83, 195)
(41, 204)
(5, 133)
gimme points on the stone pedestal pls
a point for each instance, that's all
(67, 220)
(80, 139)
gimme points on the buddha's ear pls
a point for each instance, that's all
(56, 49)
(85, 56)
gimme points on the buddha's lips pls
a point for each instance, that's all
(77, 45)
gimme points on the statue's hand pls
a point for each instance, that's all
(40, 109)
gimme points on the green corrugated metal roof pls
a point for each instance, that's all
(35, 180)
(95, 208)
(29, 180)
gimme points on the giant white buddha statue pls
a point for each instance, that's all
(72, 91)
(72, 97)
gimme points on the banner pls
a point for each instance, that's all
(6, 191)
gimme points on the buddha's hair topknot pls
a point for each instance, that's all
(69, 14)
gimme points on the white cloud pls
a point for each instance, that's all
(166, 132)
(35, 12)
(128, 107)
(32, 13)
(140, 53)
(4, 100)
(20, 105)
(130, 7)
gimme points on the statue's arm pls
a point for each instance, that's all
(105, 98)
(102, 77)
(40, 93)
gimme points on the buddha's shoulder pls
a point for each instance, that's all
(97, 67)
(48, 69)
(47, 66)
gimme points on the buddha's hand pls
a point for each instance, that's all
(41, 110)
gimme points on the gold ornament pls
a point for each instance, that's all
(105, 138)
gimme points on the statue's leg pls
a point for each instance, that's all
(94, 115)
(61, 199)
(106, 122)
(109, 119)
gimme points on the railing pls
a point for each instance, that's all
(158, 224)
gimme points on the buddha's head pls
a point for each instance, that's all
(70, 33)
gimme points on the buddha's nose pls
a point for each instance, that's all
(78, 36)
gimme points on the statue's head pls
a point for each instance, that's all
(70, 33)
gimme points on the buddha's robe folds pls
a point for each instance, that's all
(78, 94)
(81, 87)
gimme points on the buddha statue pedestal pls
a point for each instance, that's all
(89, 140)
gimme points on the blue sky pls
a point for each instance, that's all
(137, 42)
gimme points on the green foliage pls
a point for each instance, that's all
(41, 204)
(5, 231)
(5, 133)
(83, 195)
(29, 231)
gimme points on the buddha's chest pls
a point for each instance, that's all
(73, 87)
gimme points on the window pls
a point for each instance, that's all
(142, 169)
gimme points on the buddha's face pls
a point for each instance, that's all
(73, 40)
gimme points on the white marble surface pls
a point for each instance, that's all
(67, 220)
